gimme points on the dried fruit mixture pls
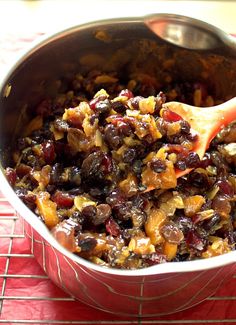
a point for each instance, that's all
(87, 159)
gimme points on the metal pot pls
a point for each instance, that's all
(128, 45)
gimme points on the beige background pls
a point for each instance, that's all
(24, 17)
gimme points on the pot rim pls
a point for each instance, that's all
(32, 219)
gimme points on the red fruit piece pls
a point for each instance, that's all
(127, 93)
(112, 227)
(48, 151)
(63, 199)
(96, 100)
(225, 187)
(10, 175)
(170, 116)
(194, 241)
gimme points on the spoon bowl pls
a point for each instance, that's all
(206, 122)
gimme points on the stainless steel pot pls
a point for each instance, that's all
(128, 45)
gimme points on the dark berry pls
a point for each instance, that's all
(129, 155)
(87, 244)
(181, 165)
(185, 126)
(158, 165)
(192, 160)
(74, 176)
(103, 213)
(112, 137)
(60, 125)
(119, 107)
(135, 101)
(103, 106)
(89, 212)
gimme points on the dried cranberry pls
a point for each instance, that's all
(48, 151)
(112, 227)
(184, 224)
(178, 149)
(63, 199)
(11, 175)
(127, 93)
(96, 100)
(171, 116)
(194, 241)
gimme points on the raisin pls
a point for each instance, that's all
(158, 165)
(103, 213)
(87, 244)
(48, 151)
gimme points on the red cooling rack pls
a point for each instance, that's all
(27, 296)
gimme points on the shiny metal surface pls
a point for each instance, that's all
(161, 289)
(190, 33)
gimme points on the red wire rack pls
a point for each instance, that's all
(27, 296)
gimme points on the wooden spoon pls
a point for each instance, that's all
(205, 121)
